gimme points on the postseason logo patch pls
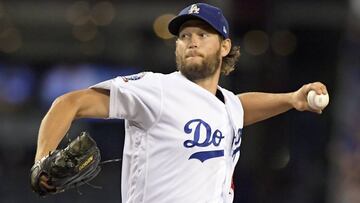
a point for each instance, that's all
(133, 77)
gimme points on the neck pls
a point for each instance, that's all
(210, 83)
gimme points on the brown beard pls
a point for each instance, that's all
(194, 72)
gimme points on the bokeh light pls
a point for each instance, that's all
(283, 43)
(10, 40)
(103, 13)
(16, 84)
(256, 42)
(160, 26)
(79, 13)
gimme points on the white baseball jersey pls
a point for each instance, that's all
(181, 141)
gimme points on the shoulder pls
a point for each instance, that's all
(147, 75)
(136, 77)
(126, 81)
(230, 96)
(226, 92)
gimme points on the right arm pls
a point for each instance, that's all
(87, 103)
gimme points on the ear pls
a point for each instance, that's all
(225, 47)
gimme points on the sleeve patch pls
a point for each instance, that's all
(133, 77)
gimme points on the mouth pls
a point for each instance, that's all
(193, 55)
(190, 57)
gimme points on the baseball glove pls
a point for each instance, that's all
(76, 164)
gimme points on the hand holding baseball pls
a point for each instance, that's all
(316, 101)
(311, 97)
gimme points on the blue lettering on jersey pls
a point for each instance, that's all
(205, 155)
(203, 139)
(236, 142)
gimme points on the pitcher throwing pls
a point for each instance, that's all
(183, 131)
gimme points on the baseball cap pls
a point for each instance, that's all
(210, 14)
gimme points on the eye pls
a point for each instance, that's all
(184, 36)
(204, 35)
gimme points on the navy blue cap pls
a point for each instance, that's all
(210, 14)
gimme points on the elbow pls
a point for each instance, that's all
(66, 103)
(63, 100)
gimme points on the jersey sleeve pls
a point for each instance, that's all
(136, 98)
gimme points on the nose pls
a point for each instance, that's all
(194, 43)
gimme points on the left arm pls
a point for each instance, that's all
(260, 106)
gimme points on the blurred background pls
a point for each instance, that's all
(48, 48)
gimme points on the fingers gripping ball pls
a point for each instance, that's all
(317, 102)
(76, 164)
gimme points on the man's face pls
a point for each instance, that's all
(197, 50)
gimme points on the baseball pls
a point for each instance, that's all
(316, 101)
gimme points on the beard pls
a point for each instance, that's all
(197, 71)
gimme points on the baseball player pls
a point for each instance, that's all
(183, 131)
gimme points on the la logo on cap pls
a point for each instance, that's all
(224, 29)
(194, 9)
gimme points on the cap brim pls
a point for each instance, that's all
(176, 23)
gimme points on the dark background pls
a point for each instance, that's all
(48, 48)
